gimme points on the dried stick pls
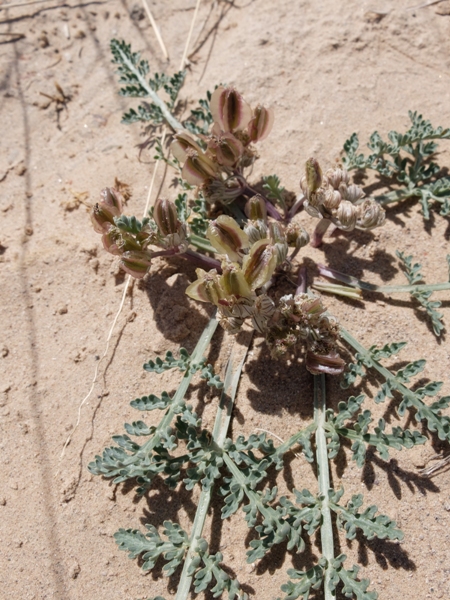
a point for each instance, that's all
(188, 41)
(155, 29)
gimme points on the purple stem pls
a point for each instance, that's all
(204, 261)
(301, 287)
(319, 232)
(298, 205)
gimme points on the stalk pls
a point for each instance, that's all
(370, 287)
(221, 425)
(326, 528)
(319, 232)
(172, 122)
(196, 356)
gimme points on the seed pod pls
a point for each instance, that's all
(229, 109)
(332, 199)
(112, 241)
(113, 200)
(313, 175)
(227, 237)
(296, 235)
(346, 215)
(233, 281)
(166, 217)
(103, 213)
(135, 264)
(337, 176)
(352, 193)
(198, 168)
(255, 209)
(206, 288)
(181, 144)
(263, 309)
(261, 123)
(259, 264)
(370, 214)
(255, 230)
(227, 149)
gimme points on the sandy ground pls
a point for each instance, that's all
(329, 68)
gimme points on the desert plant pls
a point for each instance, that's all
(253, 245)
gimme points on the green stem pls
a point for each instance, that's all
(434, 424)
(326, 528)
(176, 125)
(221, 425)
(196, 356)
(200, 243)
(381, 289)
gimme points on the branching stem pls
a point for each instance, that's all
(170, 119)
(381, 289)
(326, 528)
(221, 425)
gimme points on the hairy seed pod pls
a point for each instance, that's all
(337, 176)
(313, 175)
(296, 235)
(352, 192)
(370, 214)
(346, 215)
(331, 201)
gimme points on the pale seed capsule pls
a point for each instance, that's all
(370, 214)
(332, 199)
(261, 123)
(346, 215)
(259, 264)
(227, 149)
(336, 177)
(206, 288)
(198, 168)
(231, 324)
(352, 192)
(313, 175)
(296, 235)
(255, 230)
(255, 208)
(229, 109)
(166, 216)
(227, 237)
(135, 264)
(181, 144)
(233, 281)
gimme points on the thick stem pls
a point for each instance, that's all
(298, 205)
(301, 281)
(201, 259)
(326, 528)
(319, 232)
(221, 425)
(382, 289)
(199, 350)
